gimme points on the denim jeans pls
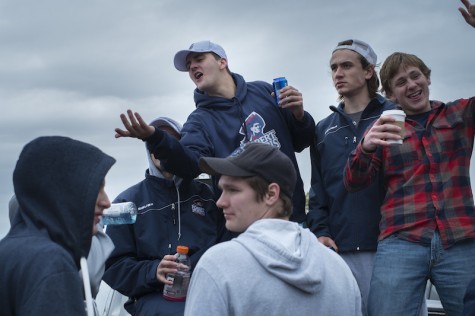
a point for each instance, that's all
(401, 270)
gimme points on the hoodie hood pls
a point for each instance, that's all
(56, 182)
(285, 250)
(158, 123)
(202, 99)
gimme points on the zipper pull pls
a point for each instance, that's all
(169, 249)
(346, 140)
(354, 139)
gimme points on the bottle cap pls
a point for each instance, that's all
(182, 249)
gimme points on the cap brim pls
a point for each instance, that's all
(180, 60)
(222, 166)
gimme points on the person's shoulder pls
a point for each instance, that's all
(458, 102)
(195, 119)
(227, 249)
(201, 187)
(384, 102)
(330, 123)
(132, 192)
(42, 252)
(51, 250)
(259, 84)
(327, 120)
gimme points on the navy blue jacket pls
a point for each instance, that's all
(219, 126)
(139, 248)
(350, 219)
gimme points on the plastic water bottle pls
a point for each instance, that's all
(181, 279)
(119, 213)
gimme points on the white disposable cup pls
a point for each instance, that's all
(400, 118)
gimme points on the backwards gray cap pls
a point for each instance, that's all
(361, 48)
(198, 47)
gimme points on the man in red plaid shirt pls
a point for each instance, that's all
(427, 228)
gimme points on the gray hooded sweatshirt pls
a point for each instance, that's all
(274, 268)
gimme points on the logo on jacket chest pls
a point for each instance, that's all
(253, 131)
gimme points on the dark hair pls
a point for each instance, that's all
(261, 187)
(373, 82)
(392, 64)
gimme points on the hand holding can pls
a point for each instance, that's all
(278, 84)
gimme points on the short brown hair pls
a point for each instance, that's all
(261, 186)
(395, 61)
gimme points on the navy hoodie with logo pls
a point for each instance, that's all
(219, 126)
(56, 182)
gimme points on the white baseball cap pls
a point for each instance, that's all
(198, 47)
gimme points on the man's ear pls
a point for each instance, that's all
(273, 193)
(223, 63)
(369, 72)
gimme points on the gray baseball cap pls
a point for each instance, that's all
(255, 159)
(361, 48)
(198, 47)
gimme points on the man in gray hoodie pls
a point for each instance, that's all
(274, 267)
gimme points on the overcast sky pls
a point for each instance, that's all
(71, 67)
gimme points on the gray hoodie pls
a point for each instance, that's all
(274, 268)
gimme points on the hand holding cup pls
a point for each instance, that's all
(387, 130)
(399, 118)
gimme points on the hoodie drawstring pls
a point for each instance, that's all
(243, 119)
(87, 286)
(179, 209)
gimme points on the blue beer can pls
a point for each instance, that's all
(278, 84)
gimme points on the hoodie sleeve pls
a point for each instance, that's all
(176, 156)
(124, 272)
(302, 132)
(318, 211)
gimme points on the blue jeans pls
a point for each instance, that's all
(401, 270)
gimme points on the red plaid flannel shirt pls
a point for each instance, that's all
(427, 178)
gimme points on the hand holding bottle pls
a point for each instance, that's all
(177, 290)
(167, 265)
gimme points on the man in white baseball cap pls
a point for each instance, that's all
(198, 47)
(226, 108)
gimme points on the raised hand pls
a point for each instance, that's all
(469, 13)
(135, 126)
